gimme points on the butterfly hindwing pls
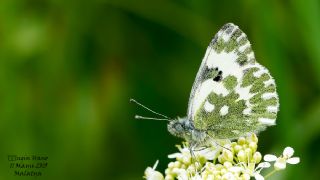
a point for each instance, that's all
(232, 94)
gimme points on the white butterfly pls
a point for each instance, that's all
(232, 94)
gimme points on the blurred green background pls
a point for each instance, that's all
(69, 68)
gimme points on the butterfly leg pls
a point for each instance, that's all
(194, 158)
(202, 148)
(217, 144)
(222, 146)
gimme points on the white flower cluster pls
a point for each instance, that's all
(229, 160)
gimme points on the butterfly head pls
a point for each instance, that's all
(180, 127)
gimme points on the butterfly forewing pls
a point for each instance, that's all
(232, 94)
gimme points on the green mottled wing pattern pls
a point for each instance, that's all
(233, 94)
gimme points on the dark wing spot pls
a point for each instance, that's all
(211, 73)
(226, 26)
(213, 41)
(218, 77)
(229, 30)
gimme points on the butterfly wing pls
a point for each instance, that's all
(232, 94)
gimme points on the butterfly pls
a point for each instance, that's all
(232, 95)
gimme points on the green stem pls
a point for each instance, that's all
(270, 173)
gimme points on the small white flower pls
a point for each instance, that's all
(196, 177)
(228, 175)
(235, 169)
(185, 175)
(263, 165)
(254, 172)
(152, 174)
(258, 176)
(286, 157)
(182, 174)
(258, 169)
(227, 161)
(207, 153)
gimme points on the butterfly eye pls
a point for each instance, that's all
(178, 127)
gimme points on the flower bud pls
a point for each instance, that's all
(245, 176)
(241, 156)
(248, 152)
(186, 160)
(177, 164)
(228, 176)
(169, 177)
(253, 146)
(171, 165)
(167, 171)
(257, 157)
(227, 164)
(152, 174)
(191, 169)
(223, 171)
(221, 159)
(219, 166)
(210, 177)
(252, 138)
(233, 144)
(227, 155)
(237, 148)
(241, 141)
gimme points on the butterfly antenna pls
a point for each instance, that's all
(151, 118)
(132, 100)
